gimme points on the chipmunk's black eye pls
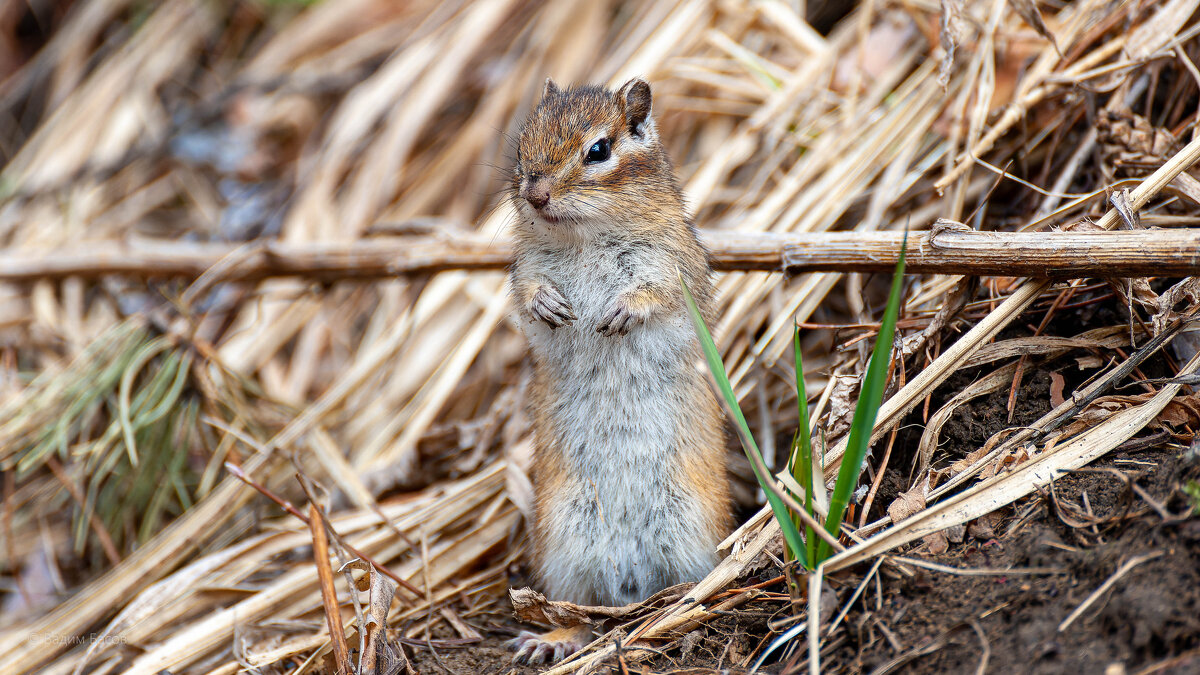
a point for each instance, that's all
(598, 152)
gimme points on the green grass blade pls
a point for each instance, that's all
(869, 399)
(791, 535)
(802, 448)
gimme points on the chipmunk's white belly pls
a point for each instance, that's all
(625, 526)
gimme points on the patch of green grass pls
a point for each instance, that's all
(792, 540)
(121, 420)
(807, 549)
(870, 397)
(800, 460)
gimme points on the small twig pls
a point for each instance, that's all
(333, 614)
(814, 620)
(854, 596)
(307, 485)
(287, 506)
(1158, 506)
(887, 454)
(1108, 583)
(975, 571)
(987, 648)
(1087, 508)
(621, 657)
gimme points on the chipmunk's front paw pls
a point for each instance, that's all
(550, 647)
(550, 307)
(622, 315)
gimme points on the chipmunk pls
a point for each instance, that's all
(629, 459)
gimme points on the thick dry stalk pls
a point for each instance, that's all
(333, 614)
(1027, 254)
(944, 250)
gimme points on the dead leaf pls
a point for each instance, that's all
(1008, 460)
(937, 543)
(533, 607)
(1179, 412)
(952, 33)
(972, 457)
(380, 656)
(1120, 201)
(1188, 289)
(1133, 137)
(1057, 384)
(984, 527)
(841, 405)
(909, 503)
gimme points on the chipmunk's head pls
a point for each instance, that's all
(588, 154)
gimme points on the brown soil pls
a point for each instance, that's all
(945, 623)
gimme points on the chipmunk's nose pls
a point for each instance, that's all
(537, 191)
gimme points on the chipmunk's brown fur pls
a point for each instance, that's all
(629, 465)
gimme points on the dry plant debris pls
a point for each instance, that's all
(232, 149)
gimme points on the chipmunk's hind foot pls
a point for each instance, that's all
(549, 647)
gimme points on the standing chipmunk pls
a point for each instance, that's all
(629, 460)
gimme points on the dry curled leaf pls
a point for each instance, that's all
(1165, 314)
(1057, 384)
(1180, 412)
(533, 607)
(1129, 215)
(1008, 460)
(952, 34)
(937, 542)
(380, 656)
(910, 502)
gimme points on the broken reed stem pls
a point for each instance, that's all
(333, 615)
(950, 249)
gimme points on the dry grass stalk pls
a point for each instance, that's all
(951, 249)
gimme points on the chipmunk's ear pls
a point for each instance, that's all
(551, 88)
(634, 98)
